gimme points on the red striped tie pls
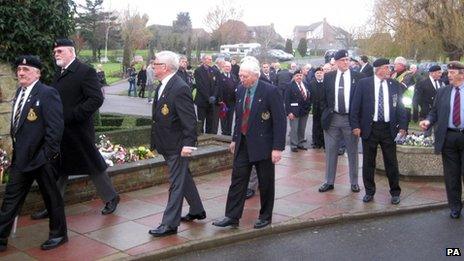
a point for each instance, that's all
(457, 108)
(246, 113)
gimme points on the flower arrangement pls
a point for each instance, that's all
(4, 164)
(117, 154)
(417, 140)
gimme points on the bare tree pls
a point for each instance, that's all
(135, 34)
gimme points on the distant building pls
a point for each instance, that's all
(322, 36)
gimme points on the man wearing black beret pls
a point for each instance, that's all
(36, 130)
(339, 88)
(447, 115)
(80, 93)
(316, 90)
(377, 116)
(426, 90)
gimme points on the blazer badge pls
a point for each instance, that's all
(31, 116)
(394, 99)
(165, 110)
(265, 115)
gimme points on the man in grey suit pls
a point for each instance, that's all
(447, 115)
(339, 87)
(174, 136)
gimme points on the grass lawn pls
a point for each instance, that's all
(112, 70)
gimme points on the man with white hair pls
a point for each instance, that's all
(174, 136)
(81, 95)
(258, 140)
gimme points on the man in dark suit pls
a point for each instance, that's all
(366, 68)
(258, 140)
(206, 98)
(297, 107)
(426, 90)
(377, 115)
(316, 90)
(182, 72)
(283, 79)
(36, 130)
(227, 84)
(339, 88)
(267, 75)
(80, 93)
(235, 67)
(173, 135)
(447, 115)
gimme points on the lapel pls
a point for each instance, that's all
(28, 104)
(257, 100)
(352, 84)
(391, 93)
(446, 100)
(371, 96)
(330, 90)
(12, 107)
(71, 68)
(240, 98)
(166, 89)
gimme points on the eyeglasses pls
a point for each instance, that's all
(158, 63)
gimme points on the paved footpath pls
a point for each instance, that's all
(298, 204)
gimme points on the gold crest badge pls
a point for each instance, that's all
(265, 115)
(165, 110)
(31, 116)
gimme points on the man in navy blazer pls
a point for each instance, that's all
(258, 140)
(339, 88)
(174, 136)
(36, 129)
(377, 115)
(297, 107)
(447, 115)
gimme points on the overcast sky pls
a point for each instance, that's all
(284, 14)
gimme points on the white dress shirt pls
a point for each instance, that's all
(436, 84)
(386, 100)
(347, 88)
(26, 97)
(163, 84)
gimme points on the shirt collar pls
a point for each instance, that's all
(66, 67)
(166, 79)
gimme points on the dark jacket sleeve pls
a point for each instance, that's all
(54, 124)
(94, 98)
(355, 114)
(186, 112)
(278, 120)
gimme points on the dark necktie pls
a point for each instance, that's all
(246, 113)
(341, 95)
(17, 115)
(457, 108)
(380, 112)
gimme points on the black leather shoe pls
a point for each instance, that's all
(54, 243)
(326, 187)
(3, 244)
(455, 214)
(226, 222)
(368, 198)
(162, 231)
(301, 148)
(294, 149)
(250, 193)
(395, 200)
(191, 217)
(355, 188)
(111, 206)
(260, 223)
(41, 214)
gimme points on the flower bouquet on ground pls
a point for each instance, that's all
(4, 164)
(417, 140)
(117, 154)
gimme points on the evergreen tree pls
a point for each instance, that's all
(302, 47)
(288, 46)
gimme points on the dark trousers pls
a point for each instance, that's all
(380, 135)
(209, 116)
(181, 186)
(142, 91)
(239, 183)
(453, 168)
(16, 191)
(102, 182)
(318, 134)
(226, 123)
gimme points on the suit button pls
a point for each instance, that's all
(154, 121)
(261, 135)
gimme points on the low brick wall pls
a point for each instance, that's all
(211, 156)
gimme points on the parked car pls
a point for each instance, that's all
(329, 54)
(280, 55)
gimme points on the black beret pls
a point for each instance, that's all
(340, 54)
(297, 72)
(364, 58)
(354, 60)
(318, 69)
(381, 61)
(434, 68)
(29, 60)
(63, 42)
(455, 65)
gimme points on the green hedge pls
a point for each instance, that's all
(143, 122)
(129, 137)
(104, 129)
(106, 122)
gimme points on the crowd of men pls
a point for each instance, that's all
(52, 126)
